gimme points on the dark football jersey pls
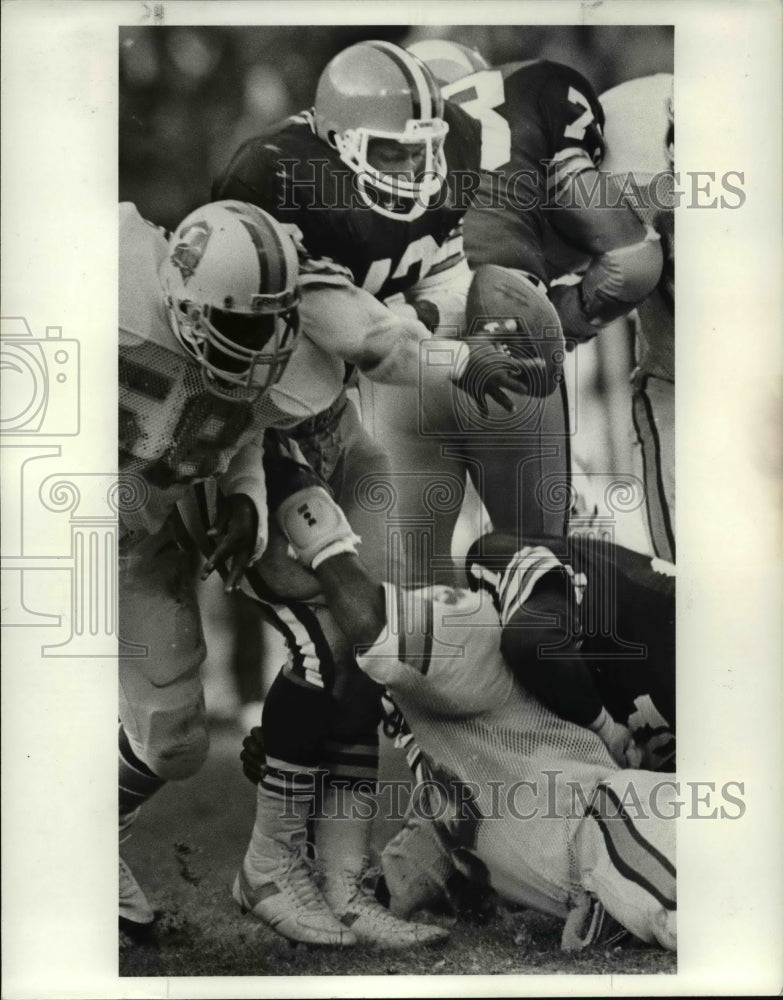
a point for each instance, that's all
(295, 176)
(619, 608)
(529, 113)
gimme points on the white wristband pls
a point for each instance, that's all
(335, 549)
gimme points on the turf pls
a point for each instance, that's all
(185, 850)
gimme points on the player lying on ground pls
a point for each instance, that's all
(377, 114)
(588, 628)
(536, 809)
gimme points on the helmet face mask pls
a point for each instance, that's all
(241, 356)
(229, 284)
(387, 192)
(372, 93)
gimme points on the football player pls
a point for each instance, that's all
(365, 181)
(212, 353)
(520, 799)
(372, 177)
(322, 713)
(541, 208)
(640, 156)
(207, 325)
(588, 628)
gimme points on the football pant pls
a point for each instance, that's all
(653, 415)
(161, 695)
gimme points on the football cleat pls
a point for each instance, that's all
(352, 898)
(588, 925)
(134, 906)
(288, 900)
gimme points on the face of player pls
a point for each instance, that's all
(249, 332)
(403, 160)
(247, 350)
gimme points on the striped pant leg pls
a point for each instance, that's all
(653, 415)
(625, 853)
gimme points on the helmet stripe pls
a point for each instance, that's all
(279, 277)
(272, 268)
(422, 94)
(261, 254)
(429, 85)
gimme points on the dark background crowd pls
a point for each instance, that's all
(190, 95)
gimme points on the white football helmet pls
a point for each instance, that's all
(448, 61)
(230, 286)
(376, 90)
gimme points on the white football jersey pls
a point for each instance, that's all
(477, 737)
(639, 142)
(172, 431)
(637, 116)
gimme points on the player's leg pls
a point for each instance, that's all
(360, 486)
(625, 852)
(421, 497)
(653, 414)
(520, 462)
(346, 815)
(628, 637)
(320, 738)
(163, 734)
(275, 881)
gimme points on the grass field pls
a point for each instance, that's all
(185, 850)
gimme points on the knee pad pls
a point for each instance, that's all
(183, 753)
(158, 608)
(165, 719)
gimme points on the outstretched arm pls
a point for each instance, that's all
(356, 600)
